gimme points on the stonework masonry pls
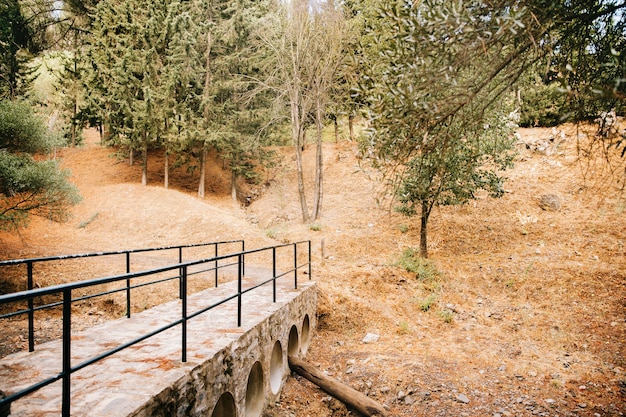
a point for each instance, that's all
(230, 371)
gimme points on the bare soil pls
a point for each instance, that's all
(524, 312)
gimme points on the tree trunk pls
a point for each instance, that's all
(424, 231)
(336, 124)
(202, 173)
(233, 185)
(297, 132)
(349, 396)
(351, 127)
(166, 171)
(144, 168)
(319, 162)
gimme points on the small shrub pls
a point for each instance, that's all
(403, 328)
(428, 302)
(315, 227)
(446, 315)
(272, 233)
(403, 228)
(422, 268)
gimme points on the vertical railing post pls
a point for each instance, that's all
(180, 273)
(310, 260)
(274, 272)
(295, 266)
(67, 352)
(128, 285)
(239, 277)
(215, 265)
(183, 291)
(31, 309)
(243, 258)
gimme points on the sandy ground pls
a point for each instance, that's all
(520, 311)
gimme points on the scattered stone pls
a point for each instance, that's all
(550, 202)
(462, 398)
(532, 373)
(371, 338)
(408, 400)
(582, 405)
(349, 370)
(401, 395)
(550, 401)
(384, 390)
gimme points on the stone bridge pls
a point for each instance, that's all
(232, 367)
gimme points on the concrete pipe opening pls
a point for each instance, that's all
(306, 334)
(225, 406)
(277, 368)
(255, 391)
(293, 346)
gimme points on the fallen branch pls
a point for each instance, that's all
(352, 398)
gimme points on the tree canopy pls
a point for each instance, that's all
(29, 186)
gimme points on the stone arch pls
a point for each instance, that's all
(225, 406)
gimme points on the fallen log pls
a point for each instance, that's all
(352, 398)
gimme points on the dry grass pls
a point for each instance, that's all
(527, 306)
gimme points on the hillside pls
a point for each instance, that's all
(523, 311)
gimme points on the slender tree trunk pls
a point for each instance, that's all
(166, 171)
(75, 95)
(233, 185)
(144, 169)
(297, 132)
(319, 162)
(351, 127)
(202, 173)
(206, 93)
(424, 230)
(131, 157)
(336, 124)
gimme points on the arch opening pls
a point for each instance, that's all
(255, 391)
(225, 406)
(293, 344)
(306, 334)
(277, 367)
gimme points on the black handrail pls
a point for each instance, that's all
(30, 262)
(182, 268)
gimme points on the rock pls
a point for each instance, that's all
(550, 202)
(384, 390)
(462, 398)
(371, 338)
(408, 400)
(550, 401)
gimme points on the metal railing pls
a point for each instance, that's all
(31, 262)
(182, 271)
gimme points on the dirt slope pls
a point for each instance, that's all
(524, 312)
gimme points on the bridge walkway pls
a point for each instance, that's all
(122, 384)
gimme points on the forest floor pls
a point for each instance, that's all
(520, 311)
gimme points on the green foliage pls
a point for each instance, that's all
(446, 315)
(542, 105)
(411, 261)
(29, 186)
(428, 302)
(439, 130)
(15, 40)
(21, 130)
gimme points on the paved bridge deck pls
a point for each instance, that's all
(128, 381)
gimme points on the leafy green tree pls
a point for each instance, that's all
(432, 90)
(29, 186)
(15, 42)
